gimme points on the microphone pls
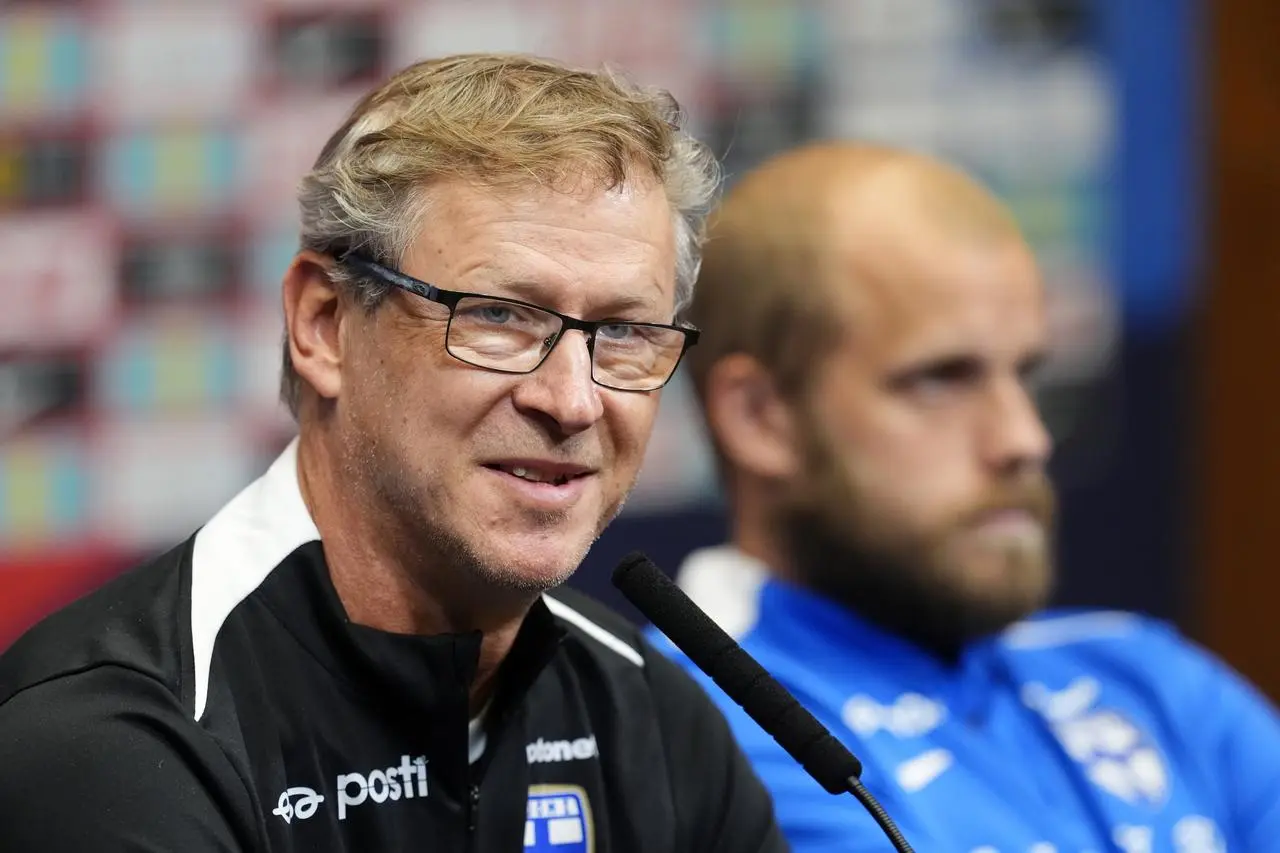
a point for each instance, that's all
(748, 684)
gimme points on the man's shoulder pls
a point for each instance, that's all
(87, 713)
(619, 648)
(1096, 634)
(1124, 649)
(602, 631)
(113, 743)
(130, 623)
(605, 646)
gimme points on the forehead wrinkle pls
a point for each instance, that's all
(613, 271)
(528, 290)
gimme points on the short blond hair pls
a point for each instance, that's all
(501, 119)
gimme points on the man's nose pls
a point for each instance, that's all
(1016, 433)
(561, 389)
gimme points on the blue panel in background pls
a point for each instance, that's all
(1158, 250)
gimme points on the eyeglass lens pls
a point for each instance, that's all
(502, 335)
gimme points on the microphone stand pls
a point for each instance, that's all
(872, 805)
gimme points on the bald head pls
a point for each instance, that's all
(844, 194)
(813, 226)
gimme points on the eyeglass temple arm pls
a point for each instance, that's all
(430, 291)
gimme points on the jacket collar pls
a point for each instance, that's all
(738, 593)
(419, 678)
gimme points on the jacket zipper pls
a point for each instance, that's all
(473, 809)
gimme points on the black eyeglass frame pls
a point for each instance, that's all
(451, 298)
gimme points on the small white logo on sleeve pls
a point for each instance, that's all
(392, 783)
(1134, 839)
(915, 774)
(297, 802)
(910, 715)
(1198, 834)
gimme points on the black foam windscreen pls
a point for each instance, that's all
(738, 674)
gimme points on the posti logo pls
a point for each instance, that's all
(404, 781)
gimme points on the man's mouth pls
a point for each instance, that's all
(555, 474)
(1020, 523)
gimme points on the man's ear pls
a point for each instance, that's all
(754, 425)
(312, 313)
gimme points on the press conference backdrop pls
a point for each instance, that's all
(149, 152)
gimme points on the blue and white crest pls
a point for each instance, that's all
(558, 820)
(1117, 754)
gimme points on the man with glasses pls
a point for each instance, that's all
(362, 651)
(872, 325)
(511, 336)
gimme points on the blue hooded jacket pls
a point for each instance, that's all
(1071, 731)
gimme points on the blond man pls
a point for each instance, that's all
(361, 651)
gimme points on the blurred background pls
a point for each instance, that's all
(149, 153)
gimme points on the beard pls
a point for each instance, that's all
(918, 583)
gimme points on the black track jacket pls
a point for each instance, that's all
(218, 699)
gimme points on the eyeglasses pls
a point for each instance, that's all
(511, 336)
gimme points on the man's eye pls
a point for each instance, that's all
(1032, 372)
(493, 313)
(617, 331)
(945, 376)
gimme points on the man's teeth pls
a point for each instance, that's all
(537, 476)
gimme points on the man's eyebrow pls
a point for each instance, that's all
(531, 291)
(1034, 360)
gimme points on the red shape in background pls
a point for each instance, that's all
(32, 588)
